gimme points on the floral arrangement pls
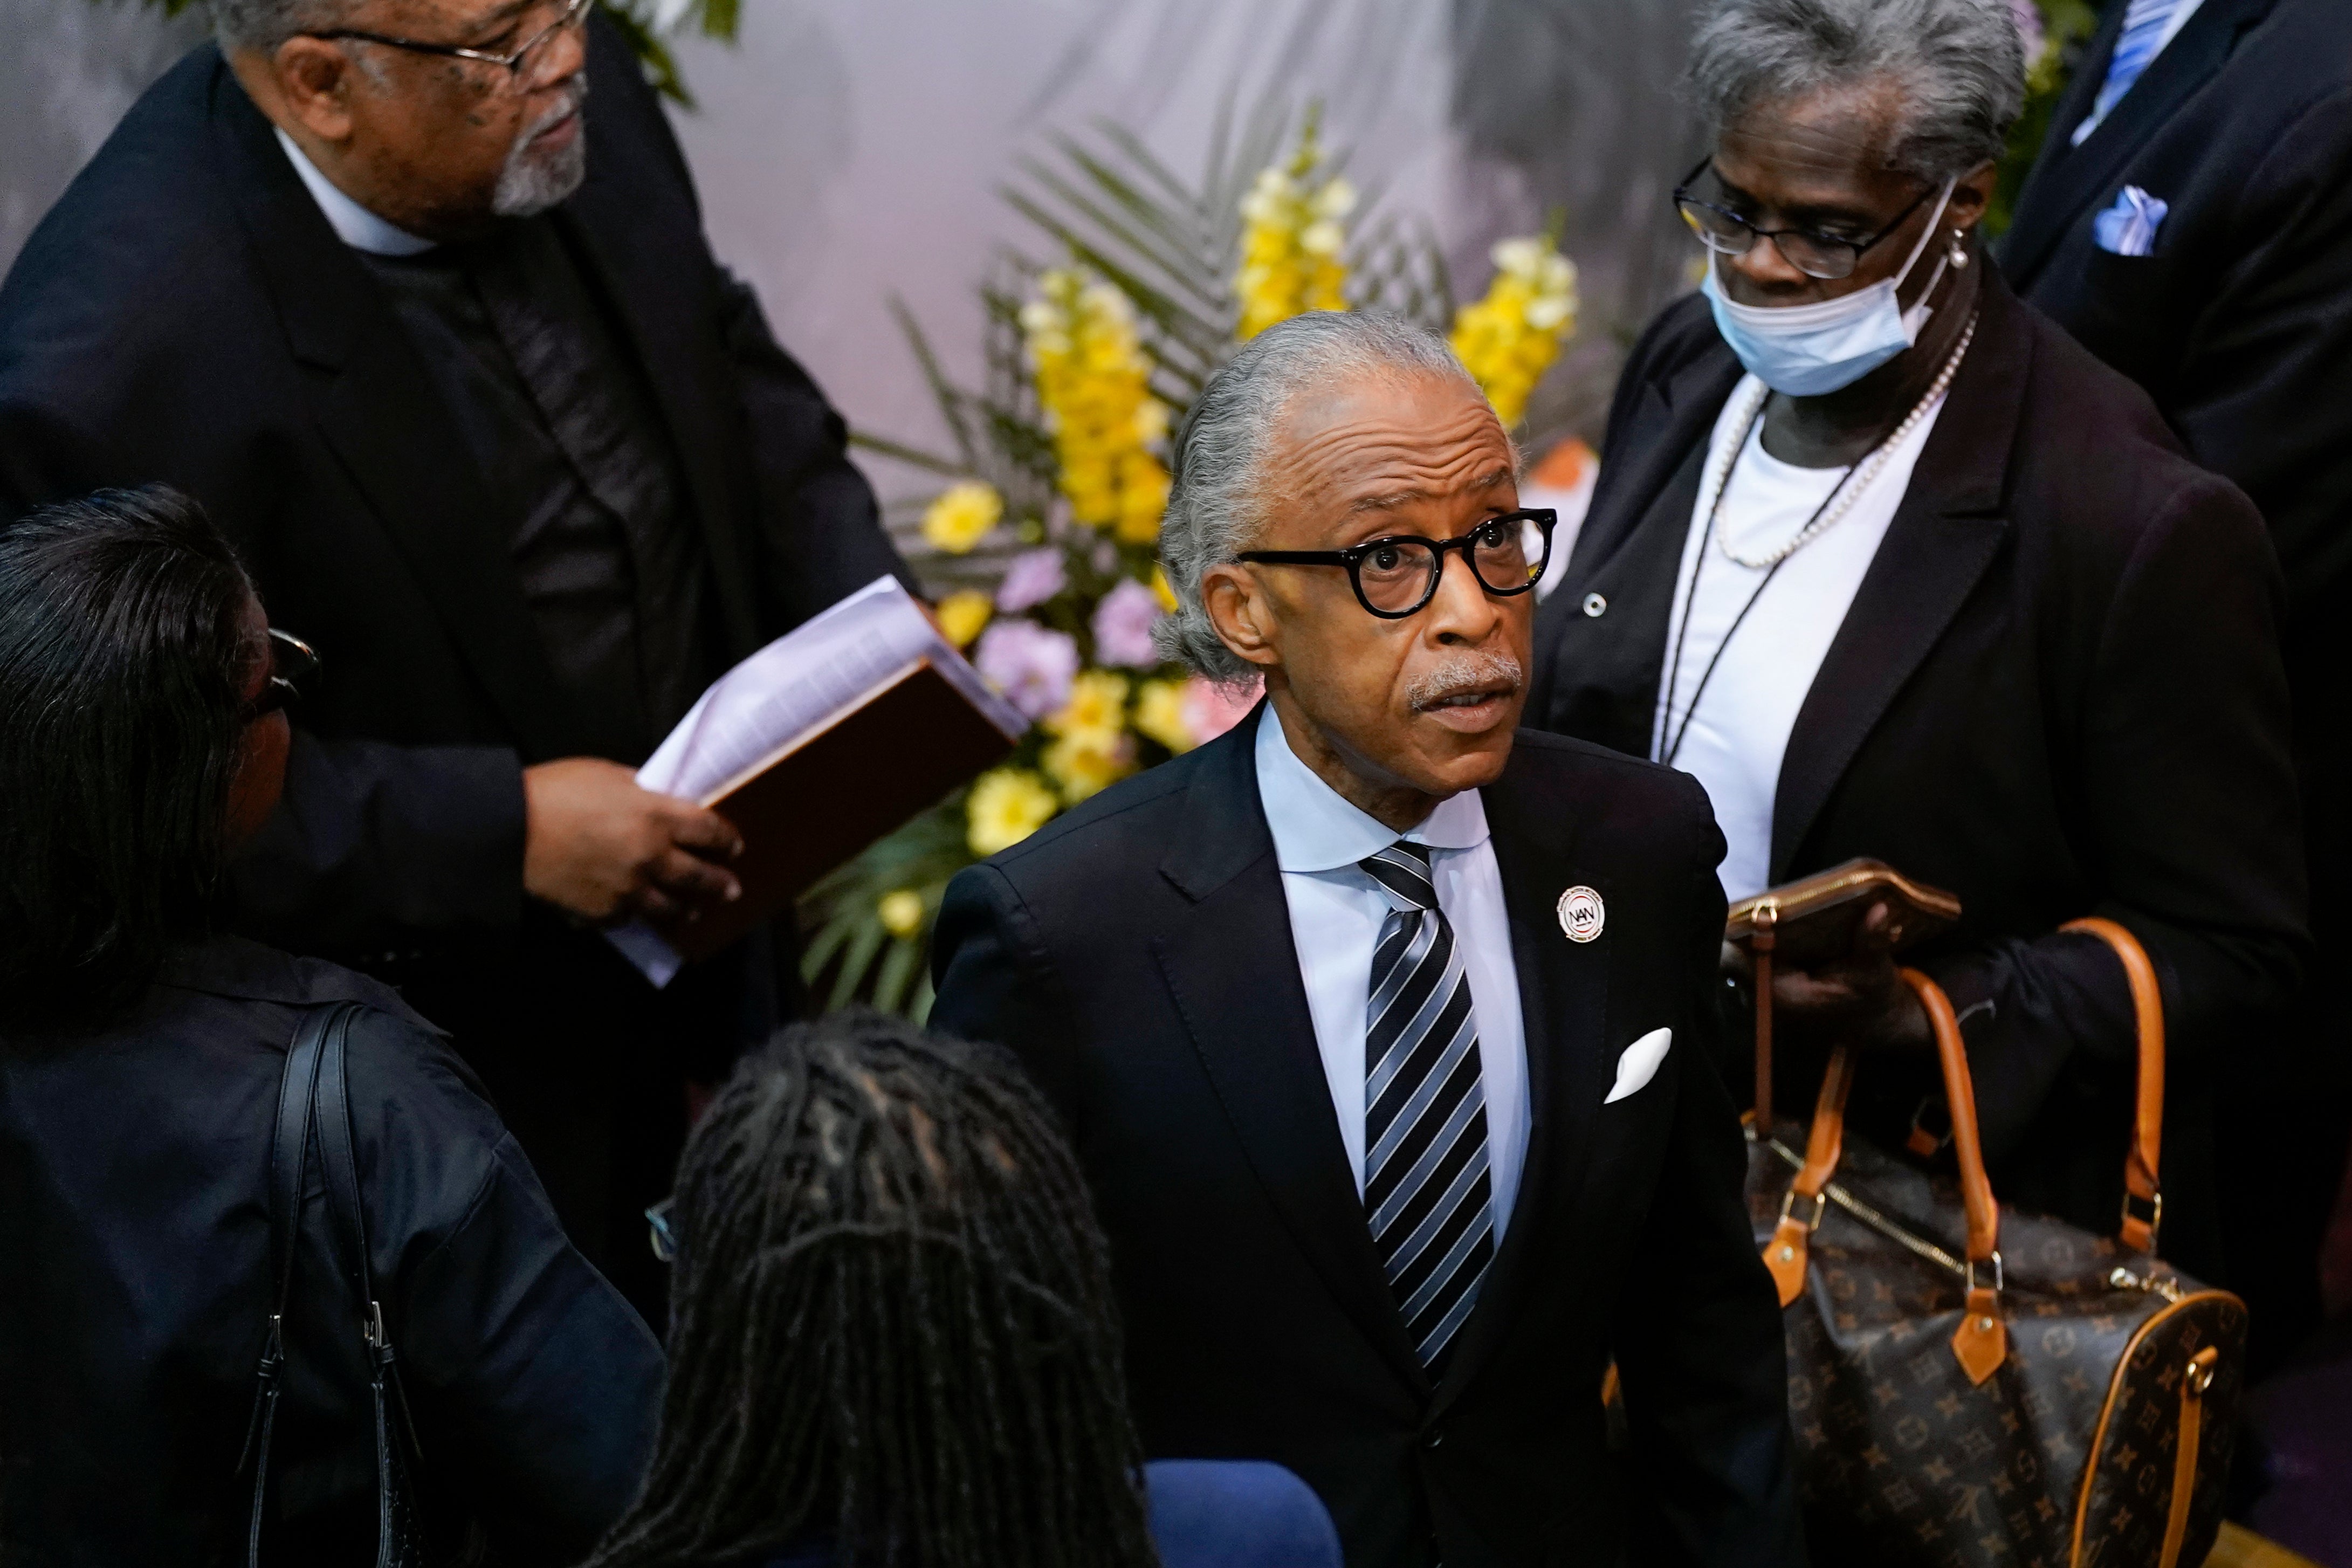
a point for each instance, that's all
(1041, 545)
(1291, 259)
(1509, 338)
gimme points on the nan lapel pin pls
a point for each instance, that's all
(1581, 913)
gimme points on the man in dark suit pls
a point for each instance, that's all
(442, 345)
(1382, 1029)
(2189, 220)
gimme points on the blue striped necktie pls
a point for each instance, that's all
(1426, 1189)
(2143, 25)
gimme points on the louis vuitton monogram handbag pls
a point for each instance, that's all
(1971, 1385)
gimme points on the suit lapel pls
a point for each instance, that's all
(2068, 179)
(675, 346)
(383, 420)
(1564, 1009)
(1944, 534)
(1232, 966)
(1672, 417)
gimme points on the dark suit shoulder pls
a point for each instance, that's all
(2108, 470)
(1677, 336)
(1557, 785)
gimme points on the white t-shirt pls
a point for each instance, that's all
(1735, 739)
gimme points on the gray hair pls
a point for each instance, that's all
(261, 25)
(1958, 67)
(1215, 500)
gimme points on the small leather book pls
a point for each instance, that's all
(1816, 918)
(827, 794)
(823, 741)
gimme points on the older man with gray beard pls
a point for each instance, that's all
(1384, 1030)
(437, 336)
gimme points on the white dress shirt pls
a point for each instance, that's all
(353, 223)
(1735, 739)
(1335, 912)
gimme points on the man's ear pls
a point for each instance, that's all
(1971, 195)
(316, 78)
(1237, 607)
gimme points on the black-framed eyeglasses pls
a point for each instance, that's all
(293, 666)
(1395, 576)
(522, 63)
(1823, 256)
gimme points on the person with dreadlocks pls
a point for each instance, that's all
(893, 1339)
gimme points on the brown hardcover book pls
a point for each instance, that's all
(819, 799)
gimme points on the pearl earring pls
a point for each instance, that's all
(1959, 254)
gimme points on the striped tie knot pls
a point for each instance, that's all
(1402, 871)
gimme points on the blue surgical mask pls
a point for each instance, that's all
(1805, 351)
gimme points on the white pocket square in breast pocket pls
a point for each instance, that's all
(1640, 1063)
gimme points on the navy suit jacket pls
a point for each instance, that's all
(1137, 954)
(2239, 322)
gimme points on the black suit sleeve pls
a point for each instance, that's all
(2189, 803)
(373, 845)
(2267, 370)
(821, 534)
(535, 1387)
(995, 983)
(1697, 1331)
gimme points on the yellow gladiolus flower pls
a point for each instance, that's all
(1005, 807)
(962, 615)
(963, 516)
(1509, 338)
(1159, 585)
(1159, 714)
(1292, 237)
(1087, 762)
(901, 913)
(1094, 381)
(1097, 711)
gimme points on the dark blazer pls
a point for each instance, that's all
(185, 314)
(1137, 954)
(135, 1291)
(2239, 327)
(2057, 693)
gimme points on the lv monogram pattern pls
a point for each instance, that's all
(1902, 1463)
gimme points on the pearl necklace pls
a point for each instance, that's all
(1842, 498)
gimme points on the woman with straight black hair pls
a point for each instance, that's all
(142, 740)
(893, 1339)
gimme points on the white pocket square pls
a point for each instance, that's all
(1640, 1063)
(2128, 227)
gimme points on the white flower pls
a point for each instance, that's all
(1547, 312)
(1337, 199)
(1520, 256)
(1322, 237)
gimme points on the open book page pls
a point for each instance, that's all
(795, 685)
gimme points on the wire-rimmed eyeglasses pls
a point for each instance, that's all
(1824, 256)
(1396, 574)
(522, 62)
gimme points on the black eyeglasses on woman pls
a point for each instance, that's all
(1827, 256)
(1396, 574)
(293, 666)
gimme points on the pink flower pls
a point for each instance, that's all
(1123, 624)
(1210, 709)
(1030, 664)
(1032, 577)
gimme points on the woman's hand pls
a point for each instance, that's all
(1858, 998)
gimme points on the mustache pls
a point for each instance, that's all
(574, 98)
(1459, 673)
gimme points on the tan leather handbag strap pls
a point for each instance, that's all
(1960, 1093)
(2142, 1163)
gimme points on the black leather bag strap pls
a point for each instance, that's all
(290, 1151)
(400, 1538)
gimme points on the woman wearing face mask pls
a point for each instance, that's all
(1897, 570)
